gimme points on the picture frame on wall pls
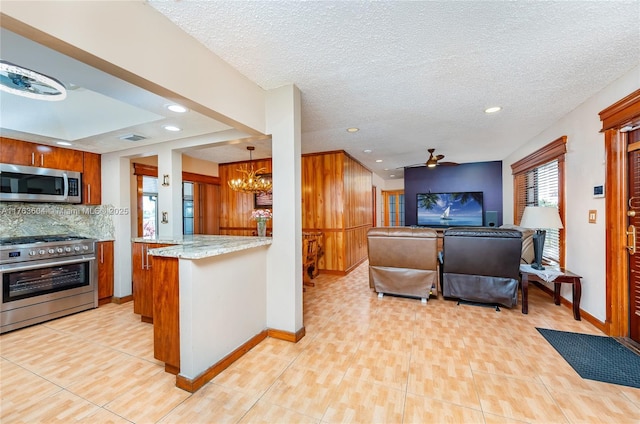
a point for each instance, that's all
(263, 200)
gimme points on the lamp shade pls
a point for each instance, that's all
(541, 217)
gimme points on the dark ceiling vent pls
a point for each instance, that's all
(133, 137)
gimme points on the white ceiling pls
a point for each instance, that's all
(410, 75)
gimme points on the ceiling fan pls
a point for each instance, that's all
(433, 161)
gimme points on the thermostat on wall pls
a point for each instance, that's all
(598, 191)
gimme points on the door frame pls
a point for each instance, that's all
(614, 118)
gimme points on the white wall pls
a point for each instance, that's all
(584, 168)
(384, 185)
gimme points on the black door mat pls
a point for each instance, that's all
(598, 358)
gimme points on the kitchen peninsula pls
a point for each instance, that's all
(209, 301)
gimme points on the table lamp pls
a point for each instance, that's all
(540, 218)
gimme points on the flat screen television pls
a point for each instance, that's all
(450, 209)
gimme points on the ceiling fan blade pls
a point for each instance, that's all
(439, 157)
(448, 163)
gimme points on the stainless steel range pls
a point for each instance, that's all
(46, 277)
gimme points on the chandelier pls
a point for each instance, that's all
(24, 82)
(251, 181)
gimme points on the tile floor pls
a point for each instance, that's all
(364, 359)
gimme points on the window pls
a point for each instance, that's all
(149, 206)
(538, 180)
(187, 208)
(393, 208)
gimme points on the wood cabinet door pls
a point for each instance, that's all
(58, 158)
(139, 271)
(91, 179)
(17, 152)
(166, 318)
(143, 274)
(105, 271)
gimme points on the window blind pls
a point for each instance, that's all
(537, 181)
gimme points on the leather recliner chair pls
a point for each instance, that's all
(481, 264)
(403, 261)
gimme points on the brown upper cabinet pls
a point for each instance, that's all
(91, 179)
(18, 152)
(31, 154)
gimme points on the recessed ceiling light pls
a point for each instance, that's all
(64, 143)
(177, 108)
(367, 150)
(353, 129)
(392, 175)
(493, 109)
(386, 169)
(378, 160)
(172, 128)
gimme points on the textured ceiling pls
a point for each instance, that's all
(414, 75)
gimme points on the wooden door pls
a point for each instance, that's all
(206, 205)
(633, 159)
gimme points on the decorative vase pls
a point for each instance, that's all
(262, 228)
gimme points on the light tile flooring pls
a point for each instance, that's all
(364, 359)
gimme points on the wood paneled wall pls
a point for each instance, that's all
(235, 208)
(336, 200)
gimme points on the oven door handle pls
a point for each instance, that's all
(43, 264)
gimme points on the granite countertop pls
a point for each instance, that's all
(202, 246)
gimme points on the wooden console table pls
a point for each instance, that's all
(566, 276)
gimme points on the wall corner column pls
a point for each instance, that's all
(284, 259)
(117, 171)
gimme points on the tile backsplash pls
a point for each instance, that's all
(31, 219)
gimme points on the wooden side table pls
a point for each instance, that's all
(566, 277)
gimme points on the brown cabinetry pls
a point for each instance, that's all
(91, 179)
(166, 313)
(19, 152)
(104, 252)
(142, 267)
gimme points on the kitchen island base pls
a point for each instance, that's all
(208, 311)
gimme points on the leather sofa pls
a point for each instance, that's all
(527, 256)
(403, 261)
(481, 264)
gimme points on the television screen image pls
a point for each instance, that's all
(450, 209)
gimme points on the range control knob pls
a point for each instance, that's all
(32, 253)
(52, 251)
(76, 248)
(67, 249)
(59, 250)
(85, 247)
(41, 252)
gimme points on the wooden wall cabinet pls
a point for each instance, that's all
(19, 152)
(142, 264)
(91, 179)
(104, 253)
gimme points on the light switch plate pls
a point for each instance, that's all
(592, 216)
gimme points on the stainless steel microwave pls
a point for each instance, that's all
(31, 184)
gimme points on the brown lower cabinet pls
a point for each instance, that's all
(142, 265)
(166, 313)
(104, 253)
